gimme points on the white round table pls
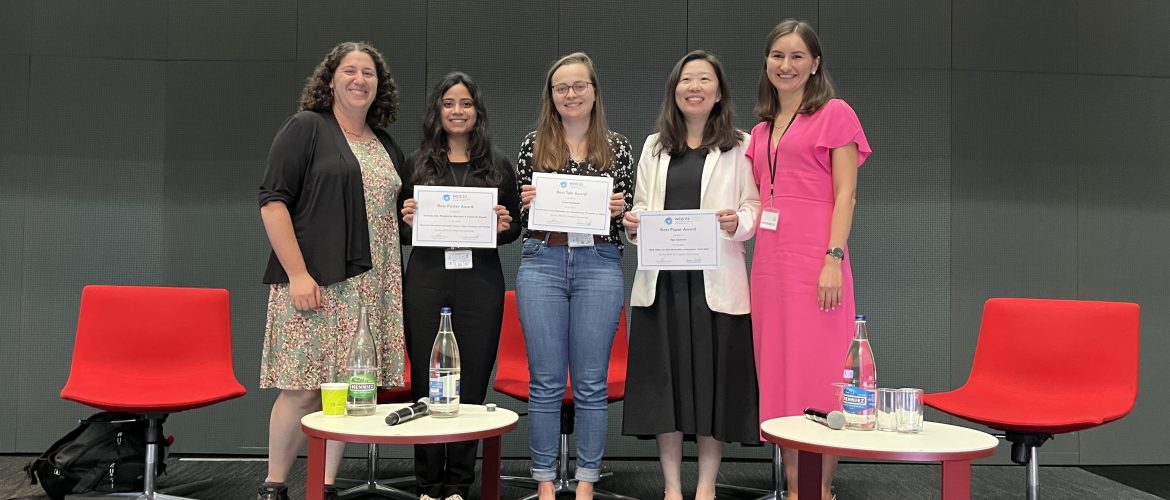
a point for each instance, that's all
(954, 446)
(474, 422)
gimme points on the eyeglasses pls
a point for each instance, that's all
(579, 88)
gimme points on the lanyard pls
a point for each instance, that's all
(772, 160)
(465, 174)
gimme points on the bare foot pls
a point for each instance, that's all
(546, 491)
(584, 490)
(672, 495)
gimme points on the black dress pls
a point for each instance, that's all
(691, 370)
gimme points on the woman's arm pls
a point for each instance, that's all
(303, 288)
(844, 161)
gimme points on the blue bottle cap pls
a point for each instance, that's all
(445, 310)
(860, 317)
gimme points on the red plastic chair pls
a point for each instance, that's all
(371, 485)
(512, 379)
(152, 351)
(1045, 367)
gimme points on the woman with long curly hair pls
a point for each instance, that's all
(328, 200)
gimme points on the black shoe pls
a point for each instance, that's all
(331, 492)
(273, 491)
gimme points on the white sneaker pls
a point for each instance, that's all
(426, 497)
(454, 497)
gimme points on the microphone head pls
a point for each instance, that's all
(835, 420)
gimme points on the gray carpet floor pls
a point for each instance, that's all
(233, 480)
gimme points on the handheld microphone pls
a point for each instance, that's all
(406, 414)
(834, 419)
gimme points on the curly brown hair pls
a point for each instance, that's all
(317, 96)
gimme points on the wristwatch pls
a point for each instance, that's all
(837, 253)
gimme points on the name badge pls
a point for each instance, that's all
(769, 219)
(580, 240)
(458, 258)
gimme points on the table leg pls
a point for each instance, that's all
(956, 480)
(491, 468)
(808, 474)
(315, 476)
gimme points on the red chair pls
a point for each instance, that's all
(371, 485)
(152, 351)
(512, 379)
(1045, 367)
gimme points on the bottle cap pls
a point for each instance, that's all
(491, 407)
(445, 310)
(860, 317)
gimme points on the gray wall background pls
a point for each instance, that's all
(1020, 151)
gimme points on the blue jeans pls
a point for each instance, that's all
(569, 300)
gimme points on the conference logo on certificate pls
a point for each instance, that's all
(678, 240)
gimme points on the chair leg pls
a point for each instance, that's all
(1034, 474)
(779, 483)
(1025, 451)
(372, 486)
(154, 440)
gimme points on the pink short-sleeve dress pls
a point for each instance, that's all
(800, 350)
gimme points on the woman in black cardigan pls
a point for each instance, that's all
(456, 150)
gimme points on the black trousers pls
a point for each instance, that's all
(476, 299)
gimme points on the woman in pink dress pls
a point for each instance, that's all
(805, 155)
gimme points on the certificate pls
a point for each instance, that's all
(678, 240)
(570, 203)
(447, 216)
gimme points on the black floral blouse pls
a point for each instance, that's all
(622, 173)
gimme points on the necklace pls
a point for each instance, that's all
(347, 132)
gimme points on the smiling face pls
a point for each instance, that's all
(457, 110)
(572, 105)
(697, 90)
(790, 63)
(355, 82)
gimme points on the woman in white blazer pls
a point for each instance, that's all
(691, 367)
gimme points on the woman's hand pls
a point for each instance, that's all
(408, 208)
(617, 204)
(305, 293)
(527, 193)
(503, 219)
(829, 284)
(631, 222)
(728, 220)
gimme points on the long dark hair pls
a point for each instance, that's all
(819, 88)
(317, 96)
(431, 162)
(718, 132)
(550, 153)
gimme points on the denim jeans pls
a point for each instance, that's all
(569, 300)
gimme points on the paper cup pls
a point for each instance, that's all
(333, 396)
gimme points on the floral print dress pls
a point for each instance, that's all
(303, 349)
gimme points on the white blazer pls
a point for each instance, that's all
(727, 183)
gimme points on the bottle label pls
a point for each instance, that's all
(443, 388)
(363, 386)
(855, 399)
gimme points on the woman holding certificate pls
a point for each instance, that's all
(691, 371)
(569, 287)
(805, 155)
(456, 150)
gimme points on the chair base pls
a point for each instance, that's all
(154, 440)
(1025, 451)
(779, 483)
(372, 485)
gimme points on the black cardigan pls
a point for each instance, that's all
(312, 170)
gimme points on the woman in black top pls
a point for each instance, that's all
(328, 201)
(456, 151)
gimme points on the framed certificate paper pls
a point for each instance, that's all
(570, 203)
(678, 240)
(461, 217)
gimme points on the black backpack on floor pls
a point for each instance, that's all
(106, 453)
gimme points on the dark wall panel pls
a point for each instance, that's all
(94, 214)
(222, 29)
(1123, 211)
(737, 31)
(1003, 35)
(889, 34)
(1013, 202)
(1123, 38)
(14, 89)
(133, 29)
(15, 26)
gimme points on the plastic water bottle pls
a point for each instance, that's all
(363, 370)
(860, 377)
(444, 369)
